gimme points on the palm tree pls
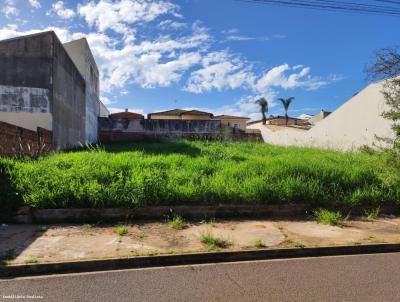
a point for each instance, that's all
(263, 108)
(286, 104)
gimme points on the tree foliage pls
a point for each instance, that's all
(263, 108)
(387, 68)
(286, 103)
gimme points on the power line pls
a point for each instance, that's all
(330, 5)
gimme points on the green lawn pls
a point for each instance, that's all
(195, 172)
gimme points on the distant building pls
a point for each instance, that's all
(305, 116)
(318, 117)
(126, 115)
(103, 110)
(180, 114)
(46, 84)
(236, 122)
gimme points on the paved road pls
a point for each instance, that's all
(346, 278)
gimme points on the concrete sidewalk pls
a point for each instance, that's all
(54, 243)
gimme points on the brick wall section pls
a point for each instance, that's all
(17, 141)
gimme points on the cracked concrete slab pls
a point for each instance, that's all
(62, 242)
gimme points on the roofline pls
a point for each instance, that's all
(178, 114)
(90, 51)
(231, 117)
(29, 35)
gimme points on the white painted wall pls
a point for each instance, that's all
(82, 57)
(353, 125)
(28, 120)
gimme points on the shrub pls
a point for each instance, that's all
(177, 223)
(259, 243)
(214, 242)
(121, 230)
(9, 198)
(372, 214)
(328, 217)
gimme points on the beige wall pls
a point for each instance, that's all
(195, 117)
(231, 122)
(355, 124)
(183, 117)
(165, 117)
(28, 120)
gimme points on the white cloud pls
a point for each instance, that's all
(10, 10)
(170, 24)
(239, 38)
(34, 3)
(220, 70)
(118, 15)
(61, 11)
(286, 77)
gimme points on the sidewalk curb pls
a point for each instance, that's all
(187, 259)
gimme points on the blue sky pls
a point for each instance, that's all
(216, 55)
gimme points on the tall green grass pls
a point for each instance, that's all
(183, 172)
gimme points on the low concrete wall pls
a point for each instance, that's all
(113, 130)
(17, 141)
(158, 212)
(160, 126)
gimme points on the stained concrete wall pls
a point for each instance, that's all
(68, 100)
(356, 123)
(80, 53)
(27, 61)
(160, 126)
(25, 107)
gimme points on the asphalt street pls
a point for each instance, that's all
(342, 278)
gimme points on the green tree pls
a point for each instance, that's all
(387, 68)
(286, 103)
(263, 108)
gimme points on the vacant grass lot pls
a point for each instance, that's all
(183, 172)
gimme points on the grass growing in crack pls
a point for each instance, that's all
(259, 243)
(214, 242)
(293, 243)
(372, 214)
(87, 226)
(177, 223)
(121, 230)
(328, 217)
(32, 260)
(7, 257)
